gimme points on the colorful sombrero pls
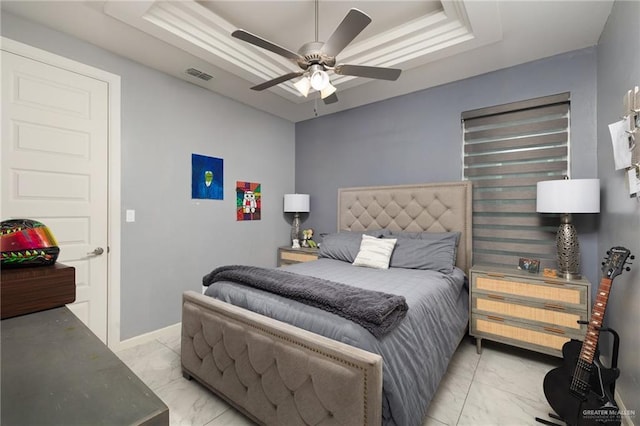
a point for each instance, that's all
(26, 242)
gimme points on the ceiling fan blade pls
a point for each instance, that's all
(277, 80)
(369, 72)
(349, 28)
(265, 44)
(331, 99)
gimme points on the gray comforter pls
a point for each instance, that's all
(376, 311)
(415, 354)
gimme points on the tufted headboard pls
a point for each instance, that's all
(434, 207)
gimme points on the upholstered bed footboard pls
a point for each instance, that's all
(276, 373)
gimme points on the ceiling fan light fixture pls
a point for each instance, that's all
(315, 58)
(327, 91)
(319, 77)
(303, 85)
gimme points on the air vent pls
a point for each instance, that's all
(199, 74)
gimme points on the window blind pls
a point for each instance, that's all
(507, 150)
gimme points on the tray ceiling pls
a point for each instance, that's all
(433, 42)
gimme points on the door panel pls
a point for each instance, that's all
(55, 168)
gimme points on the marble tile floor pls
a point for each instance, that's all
(502, 386)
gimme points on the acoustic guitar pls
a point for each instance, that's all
(580, 390)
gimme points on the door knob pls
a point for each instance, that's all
(97, 252)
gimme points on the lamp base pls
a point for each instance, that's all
(568, 275)
(295, 229)
(568, 249)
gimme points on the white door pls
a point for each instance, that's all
(55, 169)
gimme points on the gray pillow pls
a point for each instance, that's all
(345, 245)
(436, 251)
(427, 235)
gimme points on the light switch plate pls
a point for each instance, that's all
(131, 216)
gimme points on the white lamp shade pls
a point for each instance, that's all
(327, 91)
(319, 79)
(568, 196)
(303, 85)
(296, 203)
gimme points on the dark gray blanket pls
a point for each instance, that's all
(375, 311)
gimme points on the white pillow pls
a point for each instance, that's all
(375, 252)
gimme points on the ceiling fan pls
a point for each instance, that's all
(315, 58)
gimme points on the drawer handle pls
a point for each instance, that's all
(553, 282)
(554, 306)
(491, 317)
(495, 296)
(495, 274)
(554, 330)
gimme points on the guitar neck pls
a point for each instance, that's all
(597, 315)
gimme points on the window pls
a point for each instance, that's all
(507, 150)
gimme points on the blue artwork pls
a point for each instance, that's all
(206, 177)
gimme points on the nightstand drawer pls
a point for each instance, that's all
(297, 257)
(540, 338)
(288, 255)
(555, 314)
(542, 290)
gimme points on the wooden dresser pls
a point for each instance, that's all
(527, 310)
(32, 289)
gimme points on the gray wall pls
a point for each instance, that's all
(176, 240)
(417, 137)
(618, 71)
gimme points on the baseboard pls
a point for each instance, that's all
(627, 420)
(148, 337)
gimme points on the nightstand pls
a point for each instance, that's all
(288, 255)
(527, 310)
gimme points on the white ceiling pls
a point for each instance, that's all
(433, 42)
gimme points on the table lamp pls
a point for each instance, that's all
(566, 197)
(296, 204)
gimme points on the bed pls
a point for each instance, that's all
(279, 373)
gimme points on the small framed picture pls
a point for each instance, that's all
(529, 265)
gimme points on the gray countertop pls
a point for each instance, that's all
(55, 371)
